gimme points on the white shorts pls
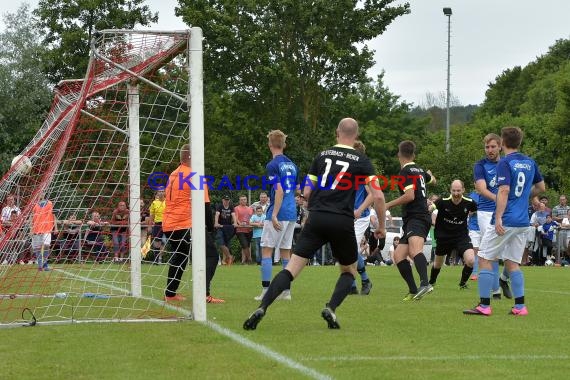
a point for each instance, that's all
(272, 238)
(40, 239)
(475, 237)
(360, 226)
(509, 246)
(484, 220)
(531, 234)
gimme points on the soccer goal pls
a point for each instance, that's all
(109, 138)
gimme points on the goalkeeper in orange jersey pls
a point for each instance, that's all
(177, 226)
(43, 223)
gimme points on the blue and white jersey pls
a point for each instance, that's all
(283, 171)
(472, 223)
(487, 170)
(361, 195)
(519, 172)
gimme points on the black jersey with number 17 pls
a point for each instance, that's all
(334, 176)
(414, 177)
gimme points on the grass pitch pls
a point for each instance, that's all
(381, 337)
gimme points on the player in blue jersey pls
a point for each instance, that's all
(518, 179)
(279, 225)
(362, 201)
(485, 176)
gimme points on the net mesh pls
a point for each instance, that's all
(79, 160)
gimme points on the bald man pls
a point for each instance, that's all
(451, 231)
(330, 189)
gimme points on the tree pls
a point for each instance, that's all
(68, 26)
(24, 92)
(289, 54)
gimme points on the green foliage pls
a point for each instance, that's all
(68, 26)
(24, 92)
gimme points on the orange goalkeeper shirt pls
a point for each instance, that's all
(178, 211)
(43, 220)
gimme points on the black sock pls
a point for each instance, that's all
(406, 273)
(485, 301)
(465, 273)
(421, 267)
(519, 300)
(434, 273)
(280, 282)
(265, 284)
(341, 290)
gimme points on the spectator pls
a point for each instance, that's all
(263, 202)
(301, 216)
(119, 228)
(94, 237)
(158, 239)
(546, 231)
(559, 212)
(70, 235)
(7, 210)
(544, 200)
(224, 224)
(243, 231)
(256, 221)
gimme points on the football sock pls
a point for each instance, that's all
(517, 283)
(465, 273)
(361, 268)
(475, 264)
(281, 282)
(495, 287)
(406, 272)
(341, 290)
(421, 267)
(485, 284)
(266, 269)
(434, 273)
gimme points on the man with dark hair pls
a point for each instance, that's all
(330, 190)
(416, 218)
(518, 179)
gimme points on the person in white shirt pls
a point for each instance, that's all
(7, 210)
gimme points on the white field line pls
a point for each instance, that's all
(436, 358)
(262, 350)
(166, 305)
(267, 352)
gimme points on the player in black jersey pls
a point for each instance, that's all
(330, 189)
(451, 232)
(416, 218)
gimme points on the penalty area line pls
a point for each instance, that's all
(267, 352)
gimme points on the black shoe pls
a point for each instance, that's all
(329, 316)
(353, 290)
(254, 319)
(505, 288)
(463, 286)
(366, 287)
(496, 296)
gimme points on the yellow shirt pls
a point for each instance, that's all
(157, 209)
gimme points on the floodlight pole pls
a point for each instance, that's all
(447, 12)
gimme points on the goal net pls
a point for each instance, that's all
(109, 138)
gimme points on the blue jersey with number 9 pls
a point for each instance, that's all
(519, 172)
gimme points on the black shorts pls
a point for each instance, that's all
(417, 225)
(323, 227)
(244, 238)
(461, 245)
